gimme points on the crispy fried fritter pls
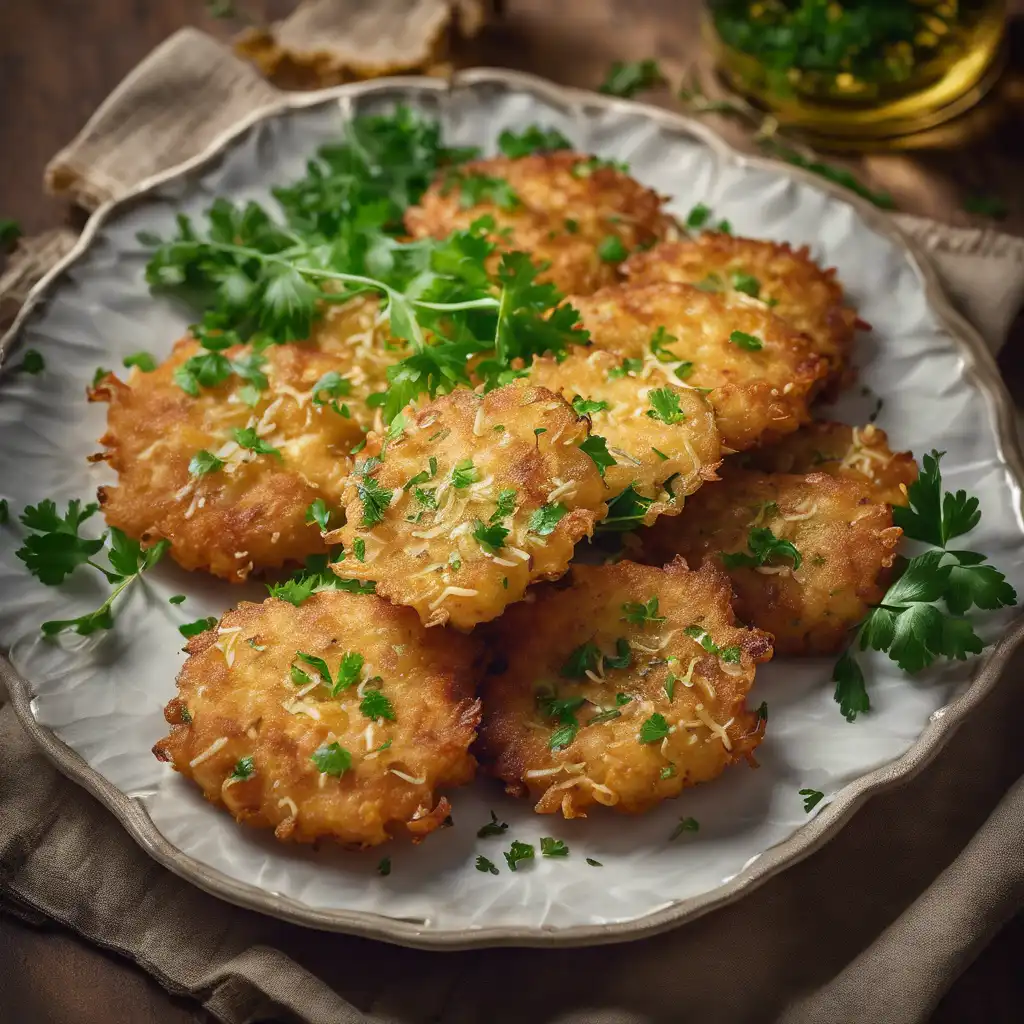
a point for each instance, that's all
(565, 725)
(856, 453)
(665, 451)
(356, 758)
(808, 298)
(844, 537)
(460, 506)
(565, 205)
(250, 513)
(761, 372)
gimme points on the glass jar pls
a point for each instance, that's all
(866, 69)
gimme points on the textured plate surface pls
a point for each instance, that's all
(95, 704)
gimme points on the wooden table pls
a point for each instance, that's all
(60, 58)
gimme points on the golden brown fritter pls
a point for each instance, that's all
(578, 213)
(671, 439)
(844, 539)
(249, 513)
(855, 453)
(462, 505)
(760, 371)
(621, 689)
(753, 271)
(358, 757)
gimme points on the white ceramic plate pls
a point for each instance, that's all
(95, 704)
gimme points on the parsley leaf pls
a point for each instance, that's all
(329, 388)
(384, 867)
(850, 694)
(582, 659)
(642, 613)
(627, 78)
(594, 863)
(485, 865)
(464, 473)
(475, 188)
(659, 340)
(727, 654)
(750, 342)
(551, 847)
(665, 406)
(332, 759)
(518, 852)
(319, 513)
(204, 462)
(685, 825)
(376, 706)
(544, 519)
(143, 360)
(375, 500)
(57, 548)
(746, 283)
(197, 627)
(245, 768)
(246, 437)
(812, 797)
(587, 406)
(933, 517)
(654, 729)
(597, 448)
(490, 538)
(611, 249)
(32, 362)
(505, 505)
(698, 216)
(492, 828)
(763, 547)
(532, 139)
(628, 366)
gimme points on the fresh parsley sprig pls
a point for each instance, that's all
(910, 625)
(55, 547)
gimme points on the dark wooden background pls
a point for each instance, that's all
(60, 58)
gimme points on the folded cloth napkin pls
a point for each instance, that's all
(874, 926)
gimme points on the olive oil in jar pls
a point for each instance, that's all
(867, 69)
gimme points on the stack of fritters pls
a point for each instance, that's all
(619, 684)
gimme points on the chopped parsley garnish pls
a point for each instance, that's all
(550, 847)
(587, 406)
(654, 729)
(546, 518)
(359, 549)
(176, 599)
(245, 768)
(762, 711)
(55, 548)
(319, 513)
(622, 658)
(197, 627)
(204, 462)
(626, 511)
(622, 699)
(628, 366)
(571, 226)
(659, 339)
(384, 867)
(585, 168)
(750, 342)
(698, 216)
(661, 455)
(727, 654)
(490, 538)
(640, 613)
(143, 360)
(746, 283)
(594, 863)
(610, 714)
(908, 624)
(332, 759)
(10, 232)
(349, 669)
(505, 505)
(611, 249)
(475, 189)
(627, 78)
(685, 825)
(329, 388)
(485, 865)
(532, 139)
(246, 437)
(375, 501)
(186, 715)
(518, 852)
(492, 828)
(812, 797)
(764, 548)
(582, 659)
(464, 474)
(100, 373)
(667, 772)
(375, 705)
(597, 448)
(32, 362)
(665, 406)
(987, 206)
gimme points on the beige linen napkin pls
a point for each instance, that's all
(873, 927)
